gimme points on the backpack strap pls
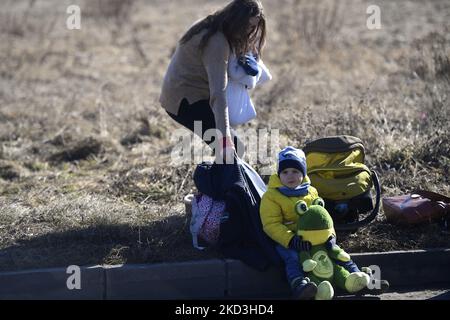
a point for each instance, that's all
(372, 215)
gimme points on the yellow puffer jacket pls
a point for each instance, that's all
(277, 211)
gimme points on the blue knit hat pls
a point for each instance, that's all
(291, 157)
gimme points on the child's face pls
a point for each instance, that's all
(291, 177)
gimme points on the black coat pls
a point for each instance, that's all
(241, 235)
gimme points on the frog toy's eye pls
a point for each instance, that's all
(319, 202)
(301, 207)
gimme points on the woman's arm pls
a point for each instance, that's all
(215, 59)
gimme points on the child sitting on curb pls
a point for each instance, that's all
(279, 219)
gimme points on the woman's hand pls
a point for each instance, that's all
(227, 150)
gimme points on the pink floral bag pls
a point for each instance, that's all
(205, 220)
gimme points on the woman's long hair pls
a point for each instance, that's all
(233, 20)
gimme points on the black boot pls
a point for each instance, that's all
(303, 289)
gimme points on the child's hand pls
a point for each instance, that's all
(298, 244)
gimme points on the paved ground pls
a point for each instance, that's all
(406, 293)
(415, 294)
(402, 293)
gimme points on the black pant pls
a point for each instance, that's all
(201, 111)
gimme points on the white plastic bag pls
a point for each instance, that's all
(240, 105)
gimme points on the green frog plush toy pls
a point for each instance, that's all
(319, 264)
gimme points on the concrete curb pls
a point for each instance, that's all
(51, 284)
(401, 268)
(208, 279)
(183, 280)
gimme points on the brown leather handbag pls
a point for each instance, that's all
(418, 207)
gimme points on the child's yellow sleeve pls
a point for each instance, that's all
(272, 221)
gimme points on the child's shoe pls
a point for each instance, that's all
(303, 289)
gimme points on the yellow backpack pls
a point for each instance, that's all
(336, 168)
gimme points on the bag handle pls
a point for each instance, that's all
(445, 201)
(358, 224)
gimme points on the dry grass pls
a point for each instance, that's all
(85, 148)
